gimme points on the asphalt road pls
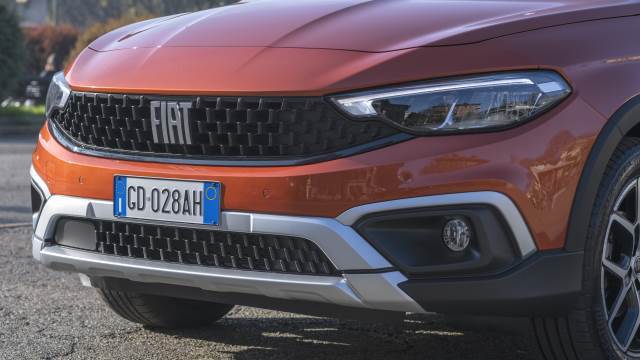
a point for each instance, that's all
(49, 315)
(15, 157)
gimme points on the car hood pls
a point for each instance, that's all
(370, 26)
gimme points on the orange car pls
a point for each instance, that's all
(356, 159)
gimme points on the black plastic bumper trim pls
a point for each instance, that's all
(410, 239)
(369, 271)
(547, 283)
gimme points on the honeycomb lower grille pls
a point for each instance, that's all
(272, 253)
(222, 128)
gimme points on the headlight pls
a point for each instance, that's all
(58, 93)
(470, 103)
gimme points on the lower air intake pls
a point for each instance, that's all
(256, 252)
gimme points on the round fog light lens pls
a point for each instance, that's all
(456, 234)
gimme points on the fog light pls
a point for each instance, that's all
(456, 234)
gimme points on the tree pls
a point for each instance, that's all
(46, 40)
(121, 13)
(11, 51)
(86, 13)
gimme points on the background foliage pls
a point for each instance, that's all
(96, 10)
(63, 28)
(91, 13)
(11, 51)
(44, 40)
(85, 13)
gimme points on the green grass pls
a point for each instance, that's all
(22, 111)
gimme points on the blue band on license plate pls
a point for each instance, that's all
(120, 198)
(167, 200)
(211, 200)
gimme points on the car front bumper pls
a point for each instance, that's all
(367, 280)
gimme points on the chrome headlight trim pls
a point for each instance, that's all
(58, 94)
(526, 94)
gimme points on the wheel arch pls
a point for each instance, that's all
(623, 123)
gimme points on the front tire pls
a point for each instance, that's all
(605, 321)
(163, 311)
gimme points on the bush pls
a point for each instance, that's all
(11, 52)
(45, 40)
(92, 33)
(85, 13)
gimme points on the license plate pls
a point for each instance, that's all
(194, 202)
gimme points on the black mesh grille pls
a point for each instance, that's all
(222, 127)
(233, 250)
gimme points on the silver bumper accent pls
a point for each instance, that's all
(344, 247)
(374, 291)
(347, 250)
(39, 183)
(42, 189)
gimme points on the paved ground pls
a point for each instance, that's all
(15, 157)
(48, 315)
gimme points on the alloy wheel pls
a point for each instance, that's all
(620, 271)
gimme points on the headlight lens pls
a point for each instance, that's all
(58, 93)
(471, 103)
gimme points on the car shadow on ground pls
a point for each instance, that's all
(418, 337)
(15, 209)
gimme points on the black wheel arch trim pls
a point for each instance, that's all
(618, 125)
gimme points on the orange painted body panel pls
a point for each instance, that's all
(538, 165)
